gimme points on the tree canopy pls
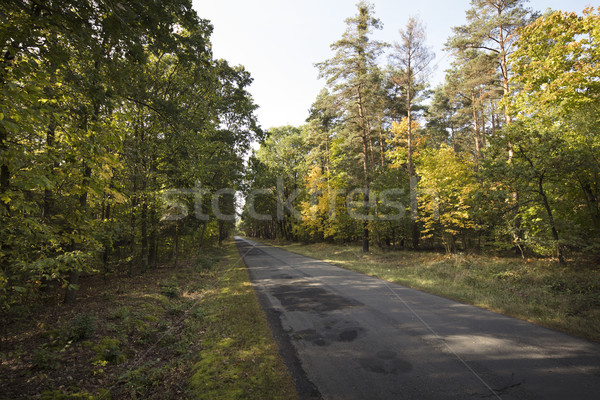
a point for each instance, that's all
(109, 112)
(124, 142)
(500, 157)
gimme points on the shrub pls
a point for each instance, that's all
(170, 289)
(45, 358)
(83, 326)
(109, 350)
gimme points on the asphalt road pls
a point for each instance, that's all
(349, 336)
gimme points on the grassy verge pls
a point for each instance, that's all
(194, 332)
(566, 298)
(240, 357)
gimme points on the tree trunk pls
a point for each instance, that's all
(220, 232)
(107, 246)
(134, 202)
(176, 244)
(153, 247)
(382, 145)
(550, 219)
(411, 175)
(4, 168)
(591, 200)
(144, 232)
(477, 133)
(156, 252)
(152, 250)
(371, 148)
(71, 293)
(48, 201)
(365, 142)
(204, 225)
(9, 57)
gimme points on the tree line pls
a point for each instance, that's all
(502, 156)
(107, 110)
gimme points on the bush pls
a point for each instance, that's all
(83, 326)
(109, 350)
(170, 289)
(45, 358)
(204, 263)
(122, 313)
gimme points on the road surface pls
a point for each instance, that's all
(349, 336)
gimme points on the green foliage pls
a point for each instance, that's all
(505, 157)
(97, 117)
(150, 326)
(277, 169)
(82, 327)
(109, 350)
(47, 358)
(122, 314)
(206, 261)
(555, 166)
(170, 288)
(555, 63)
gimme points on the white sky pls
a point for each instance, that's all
(279, 41)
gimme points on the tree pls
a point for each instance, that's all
(283, 152)
(320, 130)
(492, 26)
(98, 115)
(413, 58)
(350, 76)
(555, 98)
(470, 83)
(447, 191)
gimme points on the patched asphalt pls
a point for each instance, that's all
(348, 336)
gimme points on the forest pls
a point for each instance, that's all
(111, 125)
(502, 157)
(129, 155)
(106, 119)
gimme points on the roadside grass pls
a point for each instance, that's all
(240, 357)
(193, 332)
(565, 298)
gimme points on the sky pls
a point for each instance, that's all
(279, 41)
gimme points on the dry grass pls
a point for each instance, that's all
(566, 298)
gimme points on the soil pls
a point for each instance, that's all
(50, 349)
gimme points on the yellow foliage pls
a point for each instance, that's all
(398, 154)
(325, 203)
(400, 131)
(446, 192)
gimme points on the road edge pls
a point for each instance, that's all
(305, 388)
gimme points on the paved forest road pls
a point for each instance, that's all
(358, 337)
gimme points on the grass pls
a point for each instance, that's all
(544, 292)
(194, 332)
(240, 357)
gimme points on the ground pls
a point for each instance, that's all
(165, 334)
